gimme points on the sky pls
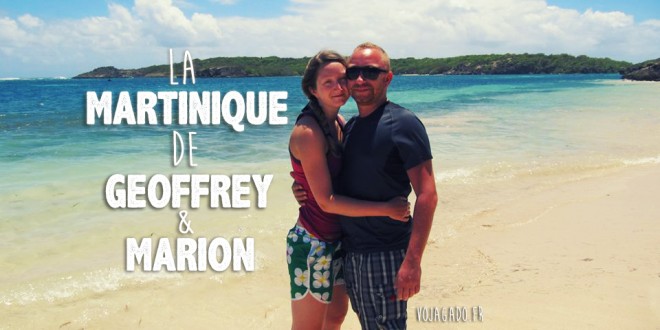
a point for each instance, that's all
(65, 38)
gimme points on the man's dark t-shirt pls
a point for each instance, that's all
(378, 151)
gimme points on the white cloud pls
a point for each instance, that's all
(30, 21)
(141, 35)
(165, 22)
(652, 22)
(440, 28)
(225, 2)
(615, 19)
(10, 33)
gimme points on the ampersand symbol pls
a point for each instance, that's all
(184, 226)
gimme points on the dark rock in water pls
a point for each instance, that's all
(649, 70)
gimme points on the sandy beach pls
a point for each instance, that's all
(579, 255)
(550, 254)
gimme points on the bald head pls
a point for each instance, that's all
(369, 49)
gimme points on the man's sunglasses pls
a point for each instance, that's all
(367, 72)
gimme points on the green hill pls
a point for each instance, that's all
(460, 65)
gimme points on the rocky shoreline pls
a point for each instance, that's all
(646, 71)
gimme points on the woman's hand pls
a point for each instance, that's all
(399, 209)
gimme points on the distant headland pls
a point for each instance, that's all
(460, 65)
(649, 70)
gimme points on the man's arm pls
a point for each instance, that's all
(307, 144)
(298, 190)
(409, 276)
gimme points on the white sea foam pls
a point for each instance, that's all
(642, 161)
(35, 78)
(461, 175)
(98, 281)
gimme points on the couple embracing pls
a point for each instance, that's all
(355, 238)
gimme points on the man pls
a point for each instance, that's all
(386, 150)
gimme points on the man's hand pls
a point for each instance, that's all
(299, 192)
(399, 209)
(409, 276)
(408, 280)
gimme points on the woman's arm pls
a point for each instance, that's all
(307, 144)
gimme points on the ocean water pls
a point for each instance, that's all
(493, 138)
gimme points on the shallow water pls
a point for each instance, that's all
(493, 138)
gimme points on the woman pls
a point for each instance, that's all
(319, 300)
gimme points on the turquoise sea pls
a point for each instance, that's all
(489, 118)
(60, 242)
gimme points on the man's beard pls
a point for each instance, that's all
(365, 96)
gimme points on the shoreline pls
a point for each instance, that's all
(576, 254)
